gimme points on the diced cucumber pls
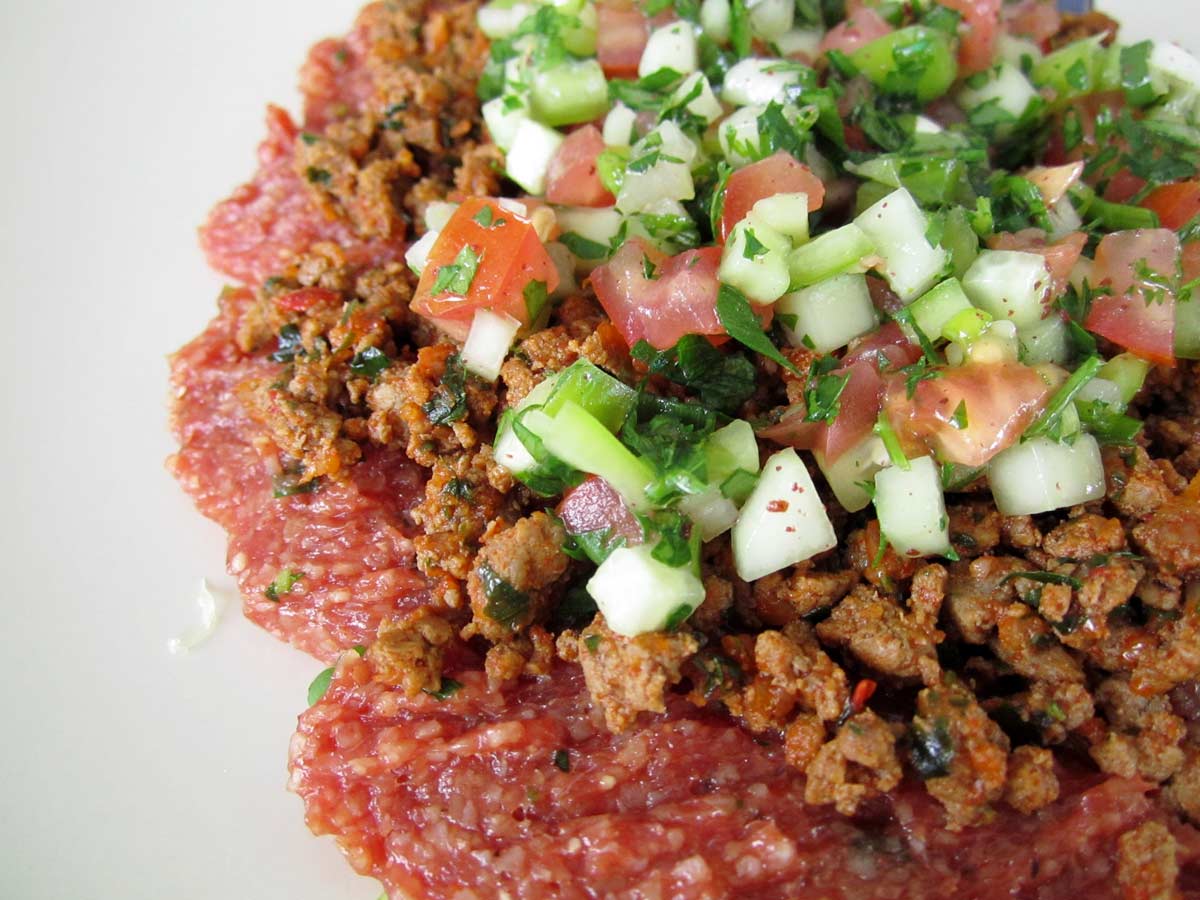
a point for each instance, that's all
(783, 521)
(528, 160)
(638, 594)
(755, 261)
(756, 82)
(852, 473)
(1040, 475)
(933, 309)
(1071, 71)
(1187, 328)
(498, 20)
(911, 508)
(716, 16)
(564, 263)
(438, 213)
(883, 60)
(620, 126)
(832, 253)
(503, 115)
(828, 315)
(730, 449)
(966, 327)
(926, 125)
(1064, 219)
(659, 169)
(1175, 66)
(1010, 285)
(509, 451)
(1020, 52)
(579, 37)
(487, 343)
(786, 213)
(704, 104)
(710, 511)
(582, 442)
(1003, 85)
(670, 47)
(996, 343)
(601, 396)
(897, 227)
(417, 255)
(1128, 372)
(1046, 341)
(569, 93)
(769, 18)
(596, 231)
(805, 41)
(1103, 391)
(741, 142)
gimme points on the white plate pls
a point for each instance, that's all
(126, 773)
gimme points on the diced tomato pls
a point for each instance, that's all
(1137, 316)
(977, 33)
(594, 505)
(884, 348)
(860, 27)
(510, 257)
(306, 298)
(998, 402)
(1175, 204)
(1038, 20)
(680, 298)
(573, 179)
(780, 173)
(621, 35)
(858, 408)
(1061, 256)
(1123, 187)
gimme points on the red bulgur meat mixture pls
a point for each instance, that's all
(1016, 714)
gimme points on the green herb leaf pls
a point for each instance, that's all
(319, 685)
(739, 28)
(733, 309)
(931, 749)
(562, 760)
(456, 277)
(677, 617)
(283, 584)
(536, 297)
(369, 362)
(291, 344)
(449, 404)
(584, 248)
(505, 604)
(723, 381)
(1049, 423)
(1044, 578)
(484, 217)
(317, 176)
(959, 419)
(449, 688)
(288, 484)
(823, 390)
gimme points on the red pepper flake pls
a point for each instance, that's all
(863, 691)
(777, 506)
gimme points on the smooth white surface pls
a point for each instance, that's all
(128, 773)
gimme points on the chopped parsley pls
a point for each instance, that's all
(456, 277)
(823, 391)
(505, 604)
(449, 404)
(283, 584)
(561, 760)
(448, 689)
(291, 344)
(369, 362)
(735, 313)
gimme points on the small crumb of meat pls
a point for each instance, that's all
(790, 669)
(978, 592)
(303, 430)
(627, 676)
(1146, 865)
(884, 635)
(975, 528)
(1020, 533)
(1183, 793)
(1136, 486)
(780, 598)
(1144, 737)
(1032, 783)
(859, 763)
(802, 740)
(1027, 643)
(1085, 537)
(527, 654)
(408, 651)
(1171, 535)
(962, 753)
(517, 577)
(718, 600)
(885, 569)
